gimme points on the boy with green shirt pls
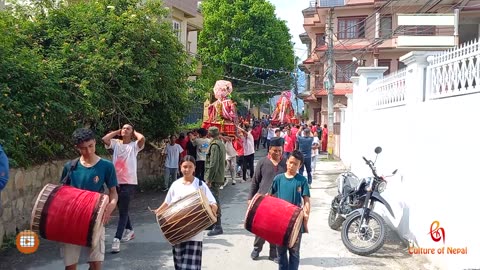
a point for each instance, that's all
(293, 188)
(90, 173)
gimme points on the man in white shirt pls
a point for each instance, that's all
(270, 134)
(231, 158)
(249, 151)
(171, 162)
(125, 151)
(201, 143)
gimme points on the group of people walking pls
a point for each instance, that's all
(203, 159)
(206, 156)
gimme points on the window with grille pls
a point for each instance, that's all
(420, 30)
(319, 76)
(318, 81)
(351, 27)
(386, 27)
(177, 29)
(385, 63)
(320, 39)
(344, 71)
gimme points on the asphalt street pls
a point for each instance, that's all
(322, 248)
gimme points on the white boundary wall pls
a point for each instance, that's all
(424, 118)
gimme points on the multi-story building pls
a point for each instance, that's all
(187, 21)
(376, 33)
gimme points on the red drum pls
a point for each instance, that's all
(275, 220)
(69, 215)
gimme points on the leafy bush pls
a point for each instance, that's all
(91, 63)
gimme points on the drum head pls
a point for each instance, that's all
(206, 205)
(296, 229)
(97, 229)
(38, 207)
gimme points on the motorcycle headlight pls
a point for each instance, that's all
(381, 186)
(368, 184)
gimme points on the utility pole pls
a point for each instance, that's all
(330, 83)
(295, 77)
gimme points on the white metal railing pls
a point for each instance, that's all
(389, 91)
(454, 72)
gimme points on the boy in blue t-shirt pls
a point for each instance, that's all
(91, 173)
(292, 187)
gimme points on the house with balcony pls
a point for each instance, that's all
(187, 22)
(375, 33)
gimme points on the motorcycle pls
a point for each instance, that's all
(363, 231)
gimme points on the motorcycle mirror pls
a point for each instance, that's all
(394, 172)
(378, 150)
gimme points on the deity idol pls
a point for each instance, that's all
(223, 109)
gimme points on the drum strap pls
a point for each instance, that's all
(73, 165)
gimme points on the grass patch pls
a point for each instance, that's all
(8, 242)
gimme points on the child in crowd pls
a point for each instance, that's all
(187, 255)
(293, 188)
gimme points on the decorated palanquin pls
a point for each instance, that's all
(222, 113)
(284, 113)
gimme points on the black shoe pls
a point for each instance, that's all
(275, 260)
(217, 230)
(255, 254)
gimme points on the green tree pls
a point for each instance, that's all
(89, 63)
(242, 33)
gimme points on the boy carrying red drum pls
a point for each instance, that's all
(293, 188)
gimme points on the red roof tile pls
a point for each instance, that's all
(336, 92)
(308, 61)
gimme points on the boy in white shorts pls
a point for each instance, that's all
(89, 172)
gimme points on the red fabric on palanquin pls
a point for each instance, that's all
(284, 113)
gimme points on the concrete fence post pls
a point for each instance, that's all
(367, 75)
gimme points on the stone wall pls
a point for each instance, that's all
(20, 194)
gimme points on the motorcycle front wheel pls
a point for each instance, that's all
(335, 220)
(363, 240)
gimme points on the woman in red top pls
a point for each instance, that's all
(324, 138)
(182, 141)
(238, 145)
(289, 145)
(256, 133)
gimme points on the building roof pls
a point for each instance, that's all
(308, 98)
(308, 61)
(336, 92)
(358, 2)
(340, 47)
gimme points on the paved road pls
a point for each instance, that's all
(322, 248)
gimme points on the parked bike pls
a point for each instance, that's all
(363, 231)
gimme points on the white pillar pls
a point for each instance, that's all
(367, 75)
(416, 63)
(413, 207)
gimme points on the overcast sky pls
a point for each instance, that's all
(291, 11)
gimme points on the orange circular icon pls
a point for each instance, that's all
(27, 242)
